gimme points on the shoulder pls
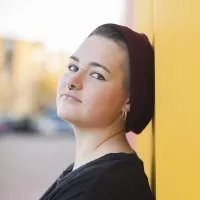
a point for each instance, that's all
(124, 180)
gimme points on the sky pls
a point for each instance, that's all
(59, 24)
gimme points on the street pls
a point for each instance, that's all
(30, 163)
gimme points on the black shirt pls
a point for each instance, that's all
(117, 176)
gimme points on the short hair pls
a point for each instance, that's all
(110, 33)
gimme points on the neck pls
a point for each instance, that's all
(94, 143)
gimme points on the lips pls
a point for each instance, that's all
(73, 97)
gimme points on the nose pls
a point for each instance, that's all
(75, 81)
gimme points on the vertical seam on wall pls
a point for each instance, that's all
(153, 164)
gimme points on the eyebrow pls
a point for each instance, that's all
(93, 64)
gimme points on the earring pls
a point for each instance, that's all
(70, 87)
(124, 115)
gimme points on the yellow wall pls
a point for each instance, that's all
(143, 15)
(177, 119)
(174, 28)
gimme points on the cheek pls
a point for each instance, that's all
(104, 99)
(97, 96)
(61, 84)
(62, 81)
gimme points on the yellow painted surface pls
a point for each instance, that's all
(177, 116)
(143, 16)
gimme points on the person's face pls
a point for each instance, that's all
(96, 71)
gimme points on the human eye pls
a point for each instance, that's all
(97, 76)
(73, 68)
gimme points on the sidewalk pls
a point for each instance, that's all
(29, 164)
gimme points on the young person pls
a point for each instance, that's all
(106, 91)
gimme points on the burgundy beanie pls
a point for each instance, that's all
(142, 87)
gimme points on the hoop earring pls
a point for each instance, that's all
(70, 87)
(124, 115)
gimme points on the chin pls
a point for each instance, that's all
(63, 114)
(66, 115)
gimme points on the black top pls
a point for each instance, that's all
(117, 176)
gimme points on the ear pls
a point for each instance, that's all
(127, 105)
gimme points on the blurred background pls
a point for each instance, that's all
(36, 39)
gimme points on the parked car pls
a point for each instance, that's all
(50, 124)
(17, 125)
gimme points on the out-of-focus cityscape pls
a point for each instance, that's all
(34, 50)
(36, 40)
(28, 81)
